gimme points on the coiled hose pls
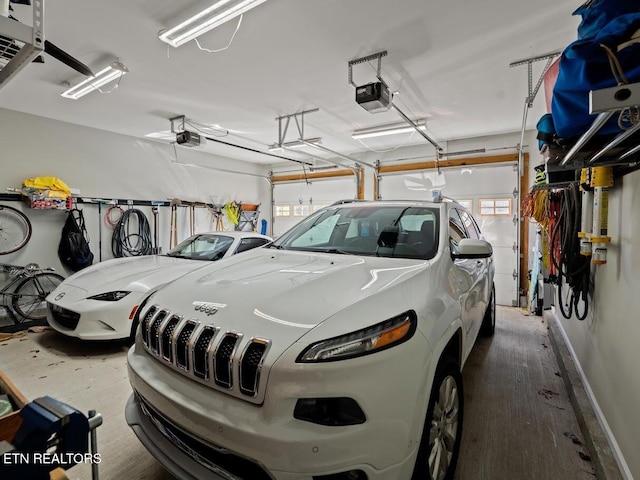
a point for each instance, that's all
(126, 242)
(572, 267)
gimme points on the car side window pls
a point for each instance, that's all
(249, 243)
(470, 224)
(456, 230)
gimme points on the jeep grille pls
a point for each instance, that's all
(220, 359)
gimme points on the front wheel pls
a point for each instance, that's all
(28, 298)
(489, 321)
(440, 444)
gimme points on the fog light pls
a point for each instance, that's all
(333, 412)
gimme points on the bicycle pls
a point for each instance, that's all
(15, 229)
(32, 285)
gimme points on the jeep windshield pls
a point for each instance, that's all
(398, 231)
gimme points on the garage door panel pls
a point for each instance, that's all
(498, 231)
(473, 184)
(502, 259)
(506, 291)
(314, 194)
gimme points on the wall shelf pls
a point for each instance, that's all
(621, 150)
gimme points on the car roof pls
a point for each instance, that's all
(421, 203)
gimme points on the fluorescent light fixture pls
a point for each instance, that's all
(383, 130)
(104, 76)
(208, 19)
(296, 144)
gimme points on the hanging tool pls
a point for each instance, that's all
(99, 230)
(192, 219)
(154, 210)
(173, 232)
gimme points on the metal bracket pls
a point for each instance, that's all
(283, 125)
(177, 124)
(375, 56)
(533, 91)
(614, 98)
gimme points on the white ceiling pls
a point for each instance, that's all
(449, 59)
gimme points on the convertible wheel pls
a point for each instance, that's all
(489, 320)
(440, 442)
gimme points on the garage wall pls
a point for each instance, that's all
(605, 344)
(108, 165)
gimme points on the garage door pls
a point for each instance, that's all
(486, 190)
(294, 201)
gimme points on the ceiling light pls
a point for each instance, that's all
(220, 12)
(296, 144)
(383, 130)
(112, 72)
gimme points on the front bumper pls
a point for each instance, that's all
(384, 447)
(97, 320)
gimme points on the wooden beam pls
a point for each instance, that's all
(299, 177)
(361, 184)
(460, 162)
(375, 185)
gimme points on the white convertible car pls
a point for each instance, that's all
(100, 302)
(334, 353)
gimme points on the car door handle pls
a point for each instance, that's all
(479, 263)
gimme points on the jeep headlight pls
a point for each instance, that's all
(373, 339)
(110, 296)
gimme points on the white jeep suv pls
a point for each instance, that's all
(333, 353)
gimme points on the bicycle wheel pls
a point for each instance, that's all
(28, 298)
(15, 229)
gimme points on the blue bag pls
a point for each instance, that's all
(596, 14)
(546, 131)
(592, 64)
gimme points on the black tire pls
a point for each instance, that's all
(440, 443)
(488, 326)
(15, 230)
(28, 298)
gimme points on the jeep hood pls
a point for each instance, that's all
(283, 294)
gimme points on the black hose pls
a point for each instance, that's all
(571, 265)
(126, 242)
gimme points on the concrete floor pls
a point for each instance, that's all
(517, 419)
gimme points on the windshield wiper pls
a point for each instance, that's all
(337, 250)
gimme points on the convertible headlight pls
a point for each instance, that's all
(362, 342)
(110, 296)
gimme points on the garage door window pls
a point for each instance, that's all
(283, 210)
(301, 210)
(495, 206)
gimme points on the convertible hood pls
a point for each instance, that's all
(138, 274)
(282, 293)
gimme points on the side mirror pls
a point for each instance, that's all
(389, 237)
(472, 248)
